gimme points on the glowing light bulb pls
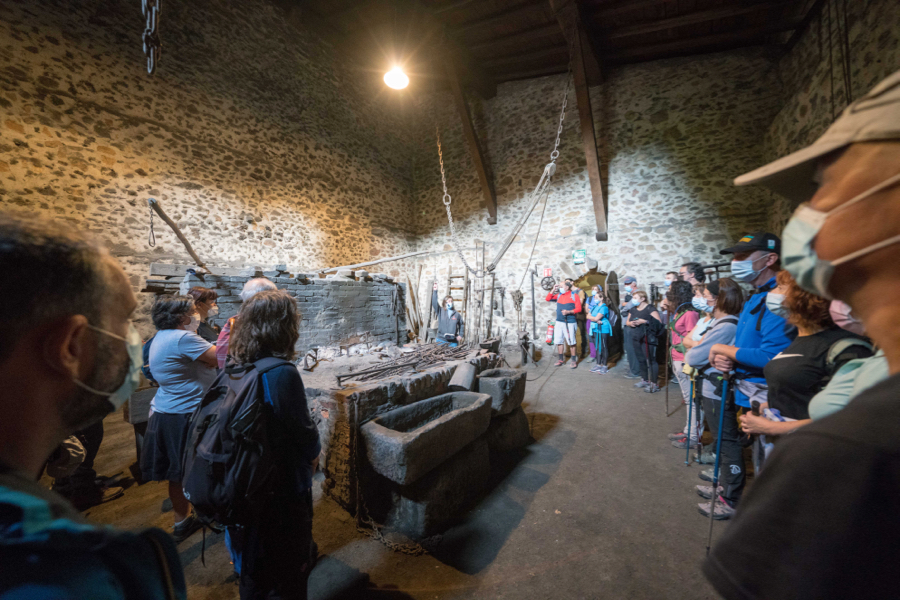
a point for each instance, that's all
(396, 78)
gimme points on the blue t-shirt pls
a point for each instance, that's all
(182, 378)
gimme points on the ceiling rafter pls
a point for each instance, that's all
(501, 17)
(694, 18)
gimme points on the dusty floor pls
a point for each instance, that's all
(600, 505)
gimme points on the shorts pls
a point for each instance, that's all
(163, 451)
(564, 333)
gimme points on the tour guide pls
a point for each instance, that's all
(568, 304)
(451, 327)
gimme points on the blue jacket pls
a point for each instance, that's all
(49, 552)
(595, 308)
(760, 336)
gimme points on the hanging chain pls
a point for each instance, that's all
(151, 39)
(447, 200)
(152, 239)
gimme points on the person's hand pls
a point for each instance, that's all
(315, 463)
(752, 424)
(722, 364)
(435, 286)
(458, 338)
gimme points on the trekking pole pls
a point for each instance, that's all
(715, 488)
(687, 451)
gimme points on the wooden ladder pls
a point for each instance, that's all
(454, 288)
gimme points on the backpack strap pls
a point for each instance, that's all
(265, 365)
(838, 348)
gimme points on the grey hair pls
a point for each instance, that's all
(255, 286)
(50, 271)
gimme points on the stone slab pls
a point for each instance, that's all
(506, 388)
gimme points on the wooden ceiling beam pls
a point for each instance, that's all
(452, 6)
(623, 7)
(533, 34)
(536, 55)
(566, 12)
(532, 73)
(478, 158)
(738, 38)
(703, 16)
(500, 18)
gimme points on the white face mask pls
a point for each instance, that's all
(812, 273)
(133, 378)
(774, 304)
(743, 270)
(214, 311)
(194, 324)
(596, 294)
(636, 301)
(700, 304)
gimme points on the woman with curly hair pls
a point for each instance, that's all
(683, 320)
(805, 367)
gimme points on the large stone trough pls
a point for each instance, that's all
(408, 442)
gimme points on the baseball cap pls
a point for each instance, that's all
(758, 240)
(629, 279)
(874, 117)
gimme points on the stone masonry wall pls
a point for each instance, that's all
(812, 80)
(359, 313)
(673, 136)
(254, 136)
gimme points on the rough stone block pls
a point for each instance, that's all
(408, 442)
(508, 432)
(463, 379)
(506, 388)
(427, 506)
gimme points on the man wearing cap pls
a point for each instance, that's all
(821, 521)
(568, 304)
(760, 336)
(629, 284)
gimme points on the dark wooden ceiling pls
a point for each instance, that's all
(492, 41)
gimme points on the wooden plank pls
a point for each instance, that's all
(535, 55)
(703, 16)
(588, 138)
(500, 18)
(452, 6)
(531, 73)
(627, 6)
(567, 15)
(481, 168)
(529, 35)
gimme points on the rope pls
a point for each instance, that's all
(152, 239)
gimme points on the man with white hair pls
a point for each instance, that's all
(251, 288)
(821, 521)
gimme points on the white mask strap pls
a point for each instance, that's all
(870, 192)
(92, 390)
(109, 333)
(867, 250)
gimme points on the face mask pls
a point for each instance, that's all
(843, 318)
(668, 283)
(133, 378)
(628, 288)
(214, 311)
(636, 301)
(596, 294)
(812, 273)
(450, 306)
(700, 304)
(774, 304)
(193, 325)
(743, 270)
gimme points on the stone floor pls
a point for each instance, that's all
(600, 505)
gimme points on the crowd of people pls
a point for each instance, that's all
(796, 353)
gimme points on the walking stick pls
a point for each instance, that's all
(715, 488)
(687, 449)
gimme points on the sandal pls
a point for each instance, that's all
(559, 363)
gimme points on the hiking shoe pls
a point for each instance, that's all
(596, 369)
(705, 491)
(603, 369)
(683, 443)
(559, 363)
(723, 510)
(642, 384)
(630, 376)
(184, 530)
(677, 436)
(707, 458)
(574, 364)
(651, 388)
(706, 475)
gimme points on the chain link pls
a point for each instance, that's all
(152, 43)
(447, 200)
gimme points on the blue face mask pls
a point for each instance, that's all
(668, 283)
(812, 273)
(774, 302)
(628, 288)
(636, 301)
(133, 378)
(700, 304)
(743, 270)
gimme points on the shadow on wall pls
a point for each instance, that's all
(516, 478)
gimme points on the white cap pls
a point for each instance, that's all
(874, 117)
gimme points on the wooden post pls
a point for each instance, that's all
(484, 174)
(154, 204)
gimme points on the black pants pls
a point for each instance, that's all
(582, 329)
(711, 412)
(276, 550)
(634, 365)
(732, 459)
(648, 368)
(601, 344)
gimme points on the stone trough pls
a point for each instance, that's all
(506, 387)
(406, 443)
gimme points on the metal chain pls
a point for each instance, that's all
(152, 44)
(152, 238)
(447, 200)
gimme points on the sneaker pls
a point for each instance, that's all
(683, 443)
(723, 510)
(642, 384)
(651, 388)
(574, 364)
(559, 363)
(630, 376)
(677, 436)
(705, 491)
(596, 369)
(603, 369)
(184, 530)
(707, 458)
(706, 475)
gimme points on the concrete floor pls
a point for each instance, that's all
(599, 506)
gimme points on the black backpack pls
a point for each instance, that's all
(229, 463)
(145, 353)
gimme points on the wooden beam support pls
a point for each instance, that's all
(625, 6)
(588, 138)
(500, 17)
(703, 16)
(567, 16)
(531, 35)
(452, 6)
(531, 73)
(527, 57)
(484, 174)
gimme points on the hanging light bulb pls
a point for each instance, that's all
(396, 79)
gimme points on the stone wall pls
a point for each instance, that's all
(812, 78)
(254, 136)
(357, 313)
(673, 136)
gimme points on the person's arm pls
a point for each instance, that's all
(698, 356)
(284, 390)
(551, 297)
(755, 425)
(655, 315)
(196, 348)
(578, 303)
(209, 358)
(222, 343)
(776, 336)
